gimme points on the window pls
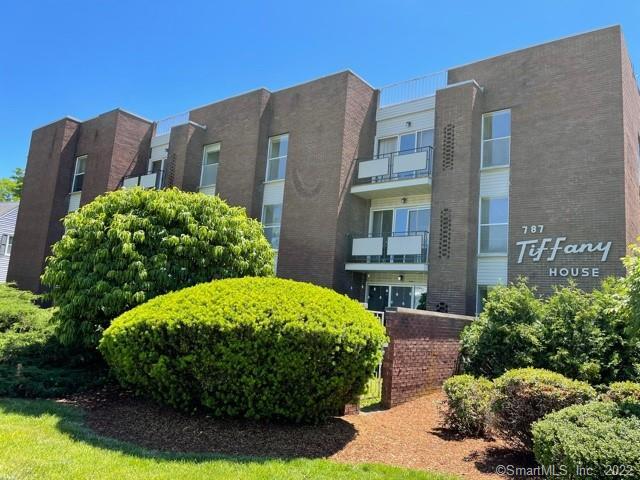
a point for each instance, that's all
(78, 174)
(271, 217)
(210, 160)
(277, 157)
(494, 221)
(6, 242)
(406, 143)
(380, 297)
(496, 139)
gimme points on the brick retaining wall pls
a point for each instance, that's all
(423, 351)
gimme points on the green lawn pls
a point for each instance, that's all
(40, 439)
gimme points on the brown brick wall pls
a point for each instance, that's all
(455, 188)
(44, 200)
(422, 353)
(184, 158)
(567, 168)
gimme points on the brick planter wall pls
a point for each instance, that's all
(423, 351)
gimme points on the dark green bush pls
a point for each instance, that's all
(508, 333)
(252, 347)
(523, 396)
(468, 404)
(624, 393)
(128, 246)
(599, 438)
(33, 363)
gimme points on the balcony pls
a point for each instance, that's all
(405, 251)
(148, 180)
(405, 172)
(410, 90)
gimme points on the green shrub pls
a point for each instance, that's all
(33, 363)
(508, 333)
(468, 404)
(523, 396)
(252, 347)
(624, 393)
(128, 246)
(599, 438)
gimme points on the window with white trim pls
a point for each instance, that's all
(406, 143)
(494, 225)
(78, 174)
(271, 218)
(277, 157)
(6, 241)
(210, 161)
(7, 250)
(496, 139)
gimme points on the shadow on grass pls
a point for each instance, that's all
(146, 430)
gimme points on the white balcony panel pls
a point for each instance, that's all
(386, 267)
(411, 245)
(148, 180)
(373, 168)
(74, 201)
(410, 162)
(130, 182)
(367, 246)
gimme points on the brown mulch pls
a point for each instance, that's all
(409, 435)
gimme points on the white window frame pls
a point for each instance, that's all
(272, 225)
(483, 141)
(76, 174)
(9, 246)
(480, 225)
(270, 159)
(390, 285)
(212, 147)
(397, 139)
(394, 208)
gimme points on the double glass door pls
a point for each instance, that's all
(380, 297)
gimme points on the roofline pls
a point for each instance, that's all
(17, 205)
(66, 117)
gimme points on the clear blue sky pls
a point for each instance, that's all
(157, 58)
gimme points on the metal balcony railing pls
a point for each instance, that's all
(395, 247)
(413, 89)
(401, 165)
(148, 180)
(164, 126)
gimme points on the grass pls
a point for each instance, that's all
(41, 439)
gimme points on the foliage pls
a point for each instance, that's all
(468, 404)
(632, 284)
(131, 245)
(292, 350)
(508, 333)
(47, 440)
(599, 437)
(625, 394)
(11, 187)
(33, 363)
(523, 396)
(581, 335)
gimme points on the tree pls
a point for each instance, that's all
(11, 187)
(131, 245)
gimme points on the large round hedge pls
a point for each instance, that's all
(128, 246)
(600, 438)
(252, 347)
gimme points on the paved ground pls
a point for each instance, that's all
(407, 436)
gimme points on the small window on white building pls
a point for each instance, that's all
(494, 225)
(496, 139)
(6, 241)
(9, 245)
(271, 218)
(277, 157)
(210, 161)
(78, 174)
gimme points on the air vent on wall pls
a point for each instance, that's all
(448, 142)
(444, 245)
(442, 307)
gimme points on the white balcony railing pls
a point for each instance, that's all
(148, 180)
(398, 247)
(413, 89)
(164, 126)
(388, 167)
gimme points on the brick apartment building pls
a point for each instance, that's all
(421, 194)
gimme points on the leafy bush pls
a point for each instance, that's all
(252, 347)
(33, 363)
(625, 394)
(523, 396)
(131, 245)
(598, 437)
(508, 333)
(468, 404)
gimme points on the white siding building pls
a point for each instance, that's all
(8, 217)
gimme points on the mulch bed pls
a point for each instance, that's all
(409, 435)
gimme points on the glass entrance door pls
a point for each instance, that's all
(378, 298)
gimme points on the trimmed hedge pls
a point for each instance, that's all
(600, 438)
(128, 246)
(625, 394)
(523, 396)
(468, 404)
(251, 347)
